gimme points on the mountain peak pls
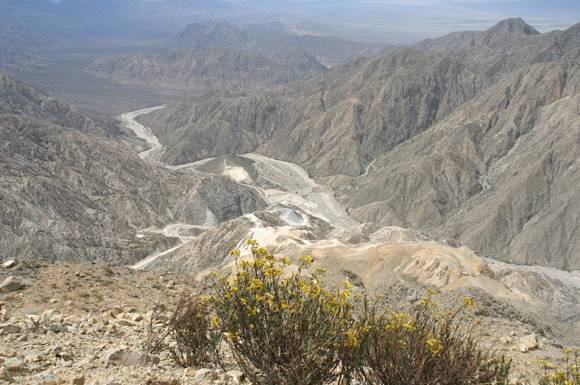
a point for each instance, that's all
(510, 29)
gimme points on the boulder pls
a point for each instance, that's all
(528, 343)
(11, 284)
(204, 374)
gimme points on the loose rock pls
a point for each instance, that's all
(528, 343)
(120, 357)
(11, 284)
(9, 264)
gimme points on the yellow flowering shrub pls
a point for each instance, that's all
(422, 347)
(195, 332)
(566, 374)
(282, 325)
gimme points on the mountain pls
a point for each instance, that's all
(496, 174)
(71, 191)
(506, 46)
(214, 55)
(207, 69)
(16, 41)
(18, 98)
(330, 125)
(471, 137)
(268, 38)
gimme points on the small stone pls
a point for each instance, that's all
(506, 340)
(528, 343)
(62, 353)
(11, 284)
(204, 374)
(48, 379)
(5, 375)
(78, 380)
(120, 357)
(9, 264)
(126, 322)
(10, 329)
(236, 376)
(14, 364)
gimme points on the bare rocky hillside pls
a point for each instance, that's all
(480, 151)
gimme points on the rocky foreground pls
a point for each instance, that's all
(88, 324)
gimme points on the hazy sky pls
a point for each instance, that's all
(400, 21)
(411, 20)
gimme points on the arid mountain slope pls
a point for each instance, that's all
(507, 46)
(205, 69)
(15, 44)
(18, 98)
(499, 174)
(269, 38)
(72, 194)
(330, 125)
(213, 56)
(425, 139)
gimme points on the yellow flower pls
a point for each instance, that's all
(214, 321)
(347, 284)
(425, 301)
(351, 338)
(252, 242)
(235, 252)
(469, 301)
(246, 264)
(260, 251)
(285, 260)
(256, 284)
(306, 259)
(432, 292)
(273, 272)
(435, 346)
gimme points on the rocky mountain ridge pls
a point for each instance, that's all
(363, 127)
(71, 191)
(205, 69)
(212, 55)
